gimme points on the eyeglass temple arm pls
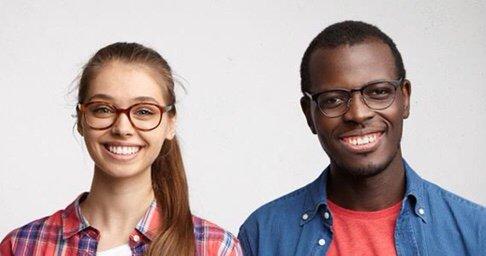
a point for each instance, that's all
(310, 96)
(168, 108)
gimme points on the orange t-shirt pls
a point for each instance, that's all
(363, 233)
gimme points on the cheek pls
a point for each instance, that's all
(91, 137)
(394, 120)
(157, 143)
(154, 149)
(155, 139)
(91, 142)
(394, 114)
(325, 129)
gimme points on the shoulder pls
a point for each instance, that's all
(455, 212)
(455, 217)
(276, 224)
(443, 205)
(211, 239)
(454, 202)
(29, 235)
(206, 230)
(280, 209)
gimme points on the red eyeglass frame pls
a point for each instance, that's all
(83, 106)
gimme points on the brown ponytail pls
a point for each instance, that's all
(170, 188)
(169, 181)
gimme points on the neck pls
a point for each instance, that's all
(368, 193)
(115, 205)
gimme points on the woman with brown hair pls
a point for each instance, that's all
(138, 202)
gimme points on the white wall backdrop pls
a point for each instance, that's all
(245, 141)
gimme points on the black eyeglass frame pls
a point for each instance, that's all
(396, 83)
(82, 107)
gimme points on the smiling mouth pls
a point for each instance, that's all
(122, 152)
(362, 143)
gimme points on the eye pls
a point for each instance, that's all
(101, 110)
(379, 91)
(144, 112)
(328, 101)
(332, 101)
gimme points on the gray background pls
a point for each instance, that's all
(244, 138)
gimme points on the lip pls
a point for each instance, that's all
(120, 157)
(364, 148)
(361, 132)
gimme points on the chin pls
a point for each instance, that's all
(369, 169)
(119, 172)
(363, 168)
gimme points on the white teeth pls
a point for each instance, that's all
(371, 138)
(123, 150)
(361, 140)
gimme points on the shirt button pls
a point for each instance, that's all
(421, 211)
(305, 216)
(322, 242)
(136, 238)
(326, 215)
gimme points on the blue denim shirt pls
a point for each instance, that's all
(432, 221)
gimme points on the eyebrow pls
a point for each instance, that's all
(101, 96)
(145, 99)
(137, 99)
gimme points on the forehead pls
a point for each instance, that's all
(126, 81)
(350, 66)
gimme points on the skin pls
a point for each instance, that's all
(373, 179)
(121, 189)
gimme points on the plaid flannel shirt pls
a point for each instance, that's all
(67, 232)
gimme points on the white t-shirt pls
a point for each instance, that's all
(122, 250)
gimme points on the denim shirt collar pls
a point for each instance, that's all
(316, 197)
(415, 193)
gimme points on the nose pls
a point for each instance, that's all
(358, 111)
(122, 126)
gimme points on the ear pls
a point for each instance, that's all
(406, 92)
(305, 104)
(171, 127)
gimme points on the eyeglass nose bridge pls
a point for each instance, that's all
(126, 111)
(350, 97)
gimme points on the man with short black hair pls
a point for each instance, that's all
(368, 201)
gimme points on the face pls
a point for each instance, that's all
(361, 142)
(122, 150)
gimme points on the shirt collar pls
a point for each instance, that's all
(414, 192)
(74, 222)
(317, 194)
(149, 225)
